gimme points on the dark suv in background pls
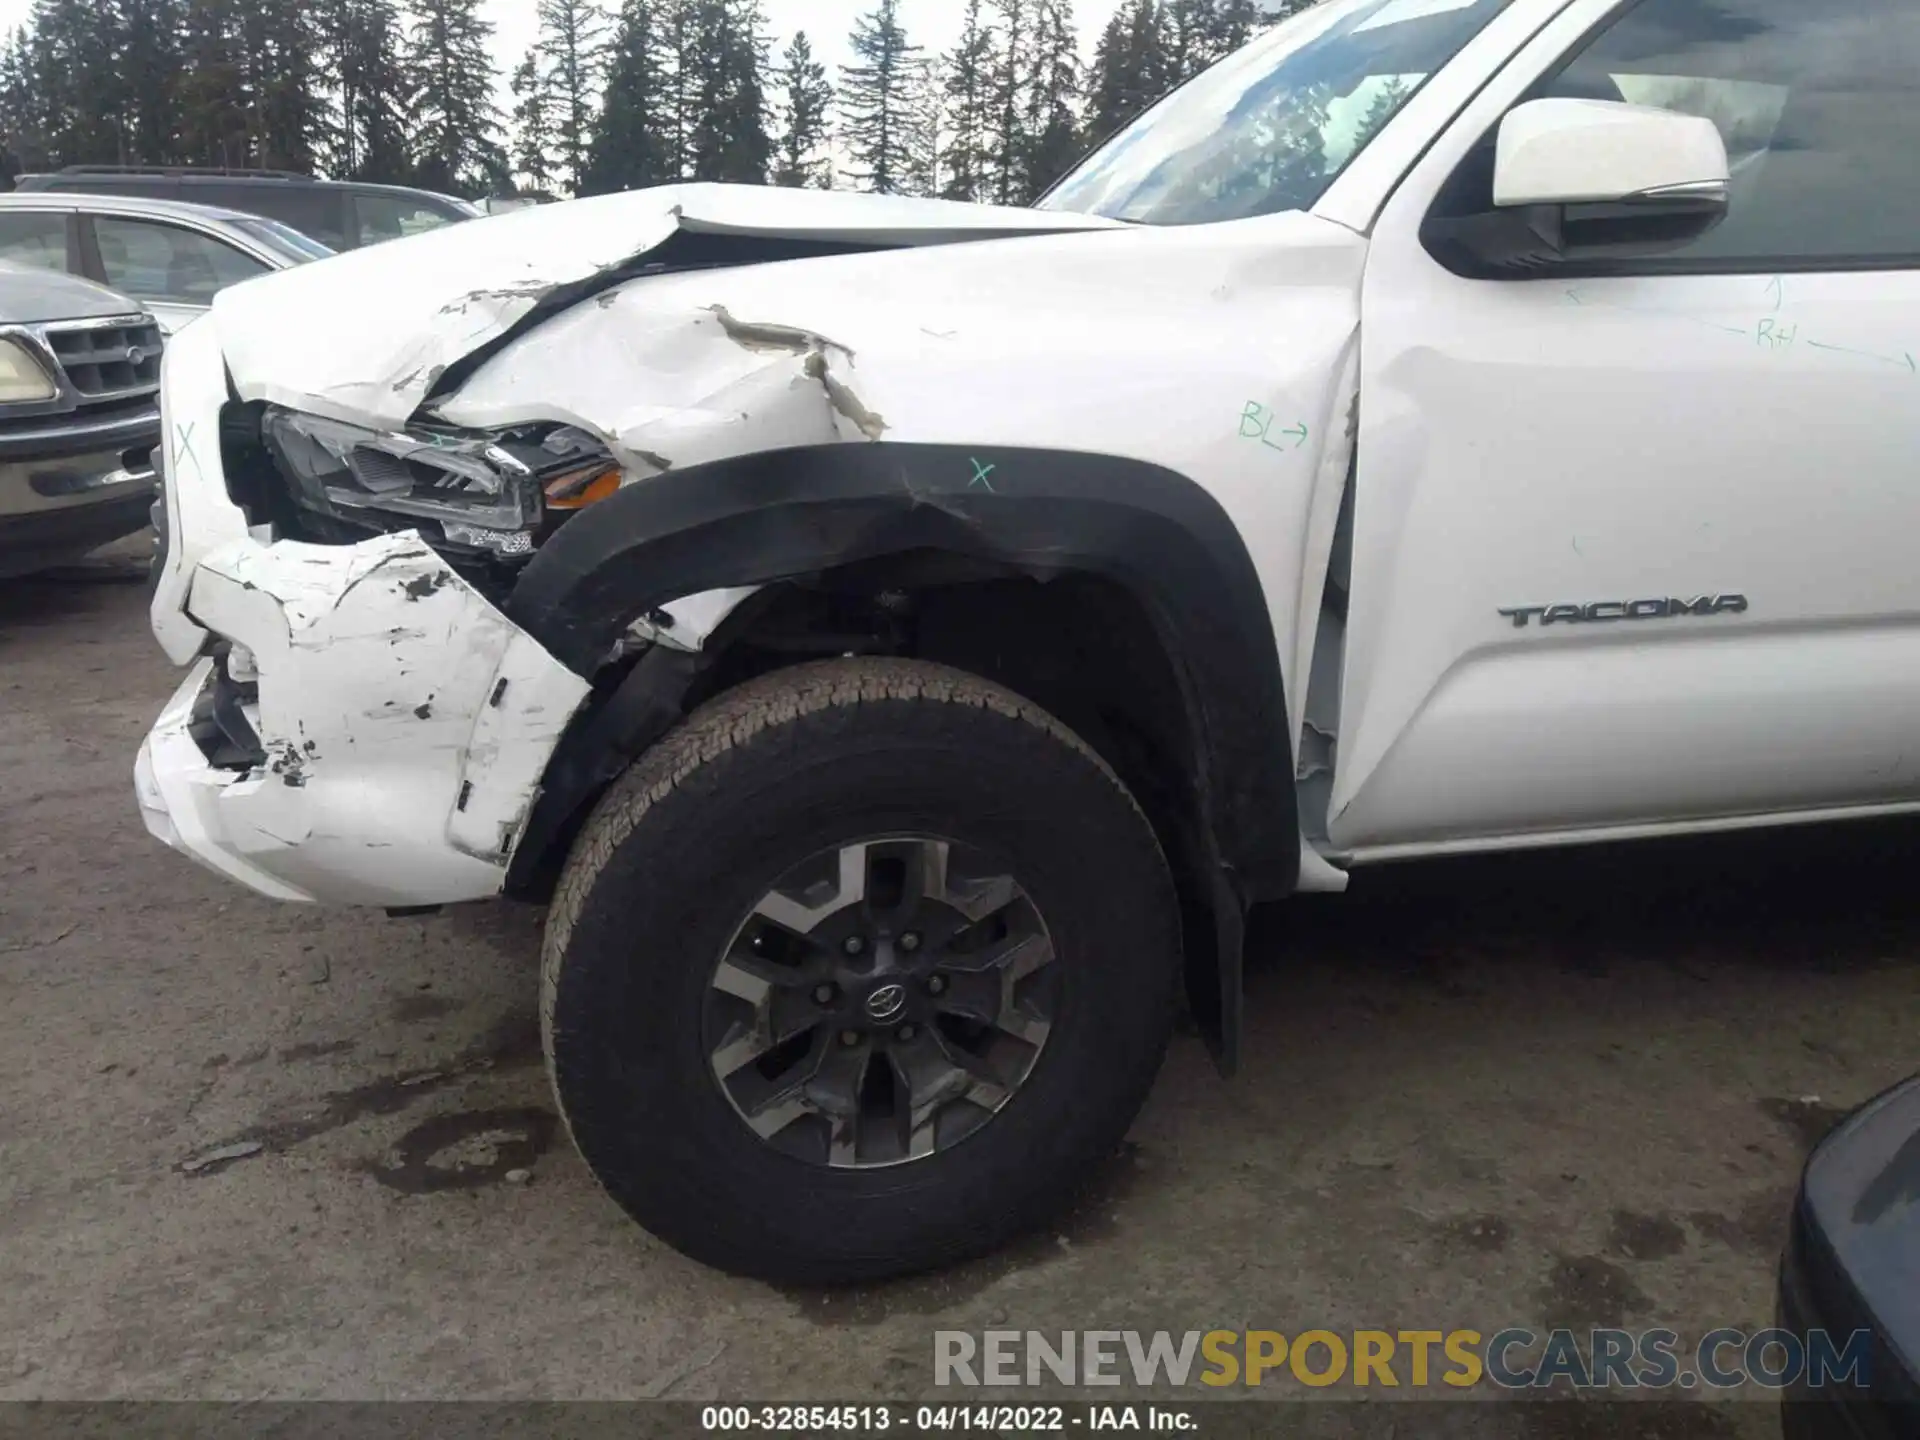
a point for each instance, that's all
(342, 214)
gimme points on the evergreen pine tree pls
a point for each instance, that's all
(285, 120)
(677, 96)
(967, 92)
(75, 53)
(365, 136)
(805, 103)
(876, 101)
(22, 140)
(1009, 144)
(455, 125)
(1190, 33)
(212, 92)
(532, 126)
(150, 79)
(339, 148)
(1052, 122)
(382, 94)
(1201, 32)
(750, 143)
(572, 55)
(1232, 24)
(633, 141)
(1131, 68)
(703, 88)
(926, 134)
(726, 94)
(40, 122)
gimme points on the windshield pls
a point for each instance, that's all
(1271, 127)
(284, 239)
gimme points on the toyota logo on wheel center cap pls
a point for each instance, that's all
(887, 1002)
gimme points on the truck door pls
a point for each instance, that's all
(1635, 546)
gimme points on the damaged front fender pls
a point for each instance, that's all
(670, 388)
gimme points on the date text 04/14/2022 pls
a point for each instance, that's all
(936, 1419)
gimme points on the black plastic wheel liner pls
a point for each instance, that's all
(783, 514)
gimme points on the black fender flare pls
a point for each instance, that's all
(781, 514)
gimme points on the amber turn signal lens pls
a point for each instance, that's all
(582, 487)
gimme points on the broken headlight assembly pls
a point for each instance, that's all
(495, 494)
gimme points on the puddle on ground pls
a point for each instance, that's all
(511, 1042)
(1645, 1237)
(466, 1151)
(411, 1009)
(1584, 1292)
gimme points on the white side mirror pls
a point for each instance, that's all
(1576, 152)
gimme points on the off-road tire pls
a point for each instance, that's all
(683, 846)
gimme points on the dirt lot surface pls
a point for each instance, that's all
(1571, 1089)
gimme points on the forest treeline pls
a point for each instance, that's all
(608, 99)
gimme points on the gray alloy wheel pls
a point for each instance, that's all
(881, 1002)
(912, 1045)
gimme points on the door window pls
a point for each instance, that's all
(166, 263)
(314, 210)
(1819, 105)
(39, 240)
(382, 217)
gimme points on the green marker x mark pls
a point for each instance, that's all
(980, 474)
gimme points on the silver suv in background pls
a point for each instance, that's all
(79, 417)
(173, 258)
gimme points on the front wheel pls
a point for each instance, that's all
(858, 972)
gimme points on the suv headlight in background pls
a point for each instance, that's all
(23, 379)
(489, 493)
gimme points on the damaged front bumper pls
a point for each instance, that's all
(359, 724)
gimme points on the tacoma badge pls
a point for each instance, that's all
(1600, 610)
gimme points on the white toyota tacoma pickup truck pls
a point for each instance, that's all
(903, 639)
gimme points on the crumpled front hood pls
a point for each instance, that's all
(364, 337)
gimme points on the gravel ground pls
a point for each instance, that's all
(1541, 1089)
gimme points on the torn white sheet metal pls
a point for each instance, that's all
(364, 336)
(406, 723)
(200, 515)
(667, 386)
(966, 346)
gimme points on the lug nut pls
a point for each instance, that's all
(824, 994)
(910, 942)
(937, 984)
(853, 945)
(907, 1032)
(849, 1038)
